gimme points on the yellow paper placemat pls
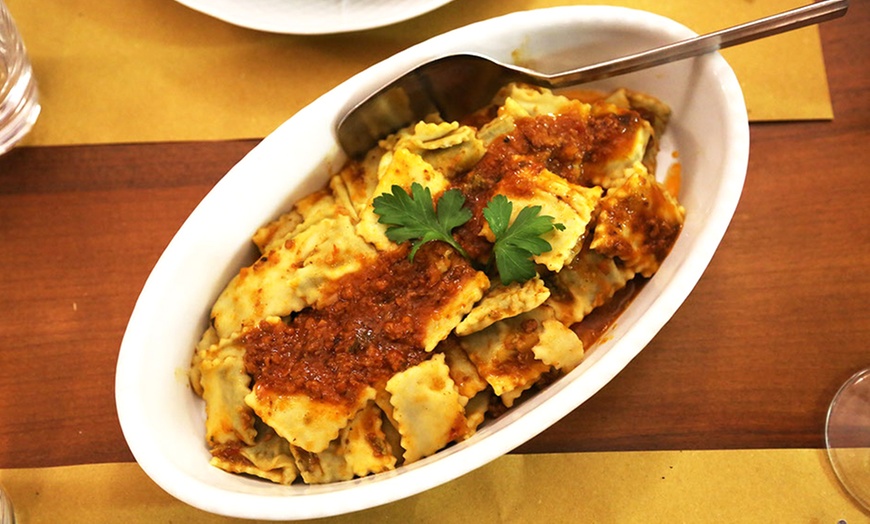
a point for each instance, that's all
(736, 486)
(154, 70)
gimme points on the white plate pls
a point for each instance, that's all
(163, 420)
(310, 17)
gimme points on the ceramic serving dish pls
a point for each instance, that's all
(163, 420)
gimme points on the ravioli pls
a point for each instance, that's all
(366, 447)
(588, 282)
(292, 276)
(360, 449)
(569, 204)
(557, 346)
(402, 169)
(651, 110)
(638, 223)
(225, 384)
(468, 292)
(463, 372)
(308, 211)
(304, 422)
(504, 302)
(504, 358)
(269, 457)
(337, 355)
(446, 146)
(428, 409)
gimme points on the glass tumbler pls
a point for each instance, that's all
(7, 514)
(19, 99)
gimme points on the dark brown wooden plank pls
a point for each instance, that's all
(751, 360)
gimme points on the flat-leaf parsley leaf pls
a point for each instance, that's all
(413, 217)
(516, 243)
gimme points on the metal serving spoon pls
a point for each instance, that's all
(456, 85)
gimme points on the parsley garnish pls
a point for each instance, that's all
(516, 243)
(414, 217)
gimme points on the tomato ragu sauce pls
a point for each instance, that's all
(368, 330)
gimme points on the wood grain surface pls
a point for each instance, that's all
(751, 360)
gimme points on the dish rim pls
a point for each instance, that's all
(291, 25)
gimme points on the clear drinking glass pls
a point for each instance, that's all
(7, 515)
(19, 99)
(847, 436)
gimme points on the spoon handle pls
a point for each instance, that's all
(771, 25)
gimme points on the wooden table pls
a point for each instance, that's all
(751, 360)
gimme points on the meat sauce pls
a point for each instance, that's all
(372, 327)
(573, 146)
